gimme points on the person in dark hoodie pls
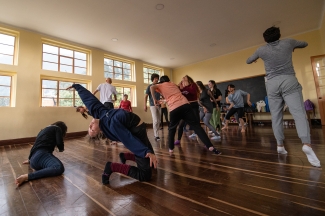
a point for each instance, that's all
(123, 126)
(41, 157)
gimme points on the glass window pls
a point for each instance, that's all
(7, 49)
(54, 93)
(117, 69)
(147, 74)
(64, 60)
(121, 91)
(5, 90)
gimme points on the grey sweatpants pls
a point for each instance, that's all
(285, 89)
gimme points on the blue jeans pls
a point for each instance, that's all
(45, 164)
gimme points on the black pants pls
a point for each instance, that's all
(142, 171)
(232, 111)
(109, 105)
(186, 113)
(164, 112)
(182, 123)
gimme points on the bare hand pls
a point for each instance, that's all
(153, 160)
(145, 108)
(69, 88)
(26, 162)
(205, 110)
(249, 103)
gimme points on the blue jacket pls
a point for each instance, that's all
(112, 122)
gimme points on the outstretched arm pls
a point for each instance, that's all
(253, 58)
(91, 102)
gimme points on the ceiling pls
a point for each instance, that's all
(182, 33)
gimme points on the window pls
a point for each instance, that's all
(7, 49)
(54, 93)
(5, 90)
(122, 91)
(119, 69)
(147, 71)
(64, 60)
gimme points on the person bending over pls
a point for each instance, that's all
(283, 88)
(123, 126)
(236, 100)
(179, 108)
(41, 157)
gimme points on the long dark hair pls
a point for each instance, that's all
(62, 126)
(83, 114)
(191, 82)
(200, 84)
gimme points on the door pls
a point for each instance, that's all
(318, 63)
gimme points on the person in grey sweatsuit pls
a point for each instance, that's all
(283, 87)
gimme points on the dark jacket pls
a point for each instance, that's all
(47, 139)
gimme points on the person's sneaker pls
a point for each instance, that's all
(217, 152)
(210, 132)
(193, 135)
(281, 150)
(171, 151)
(216, 137)
(177, 142)
(157, 138)
(312, 158)
(122, 158)
(107, 173)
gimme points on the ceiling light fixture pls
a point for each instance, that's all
(114, 39)
(160, 6)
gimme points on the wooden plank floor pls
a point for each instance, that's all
(249, 178)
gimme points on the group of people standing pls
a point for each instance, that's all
(183, 101)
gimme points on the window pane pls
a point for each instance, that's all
(80, 63)
(49, 101)
(145, 81)
(108, 62)
(127, 78)
(4, 101)
(6, 59)
(118, 70)
(64, 85)
(66, 52)
(50, 49)
(5, 49)
(79, 70)
(84, 85)
(7, 39)
(66, 102)
(127, 91)
(118, 76)
(127, 65)
(80, 55)
(5, 80)
(66, 68)
(4, 91)
(145, 76)
(126, 72)
(117, 63)
(65, 94)
(108, 75)
(49, 84)
(119, 97)
(50, 66)
(49, 93)
(119, 90)
(50, 58)
(145, 70)
(66, 61)
(78, 102)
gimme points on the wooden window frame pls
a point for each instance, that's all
(14, 34)
(124, 61)
(11, 89)
(157, 70)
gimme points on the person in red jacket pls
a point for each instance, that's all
(125, 104)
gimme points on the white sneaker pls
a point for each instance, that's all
(216, 137)
(281, 150)
(312, 158)
(210, 132)
(193, 135)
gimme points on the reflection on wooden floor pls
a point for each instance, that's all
(249, 178)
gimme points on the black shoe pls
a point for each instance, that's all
(122, 158)
(217, 152)
(107, 173)
(157, 138)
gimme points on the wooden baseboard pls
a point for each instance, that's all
(32, 139)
